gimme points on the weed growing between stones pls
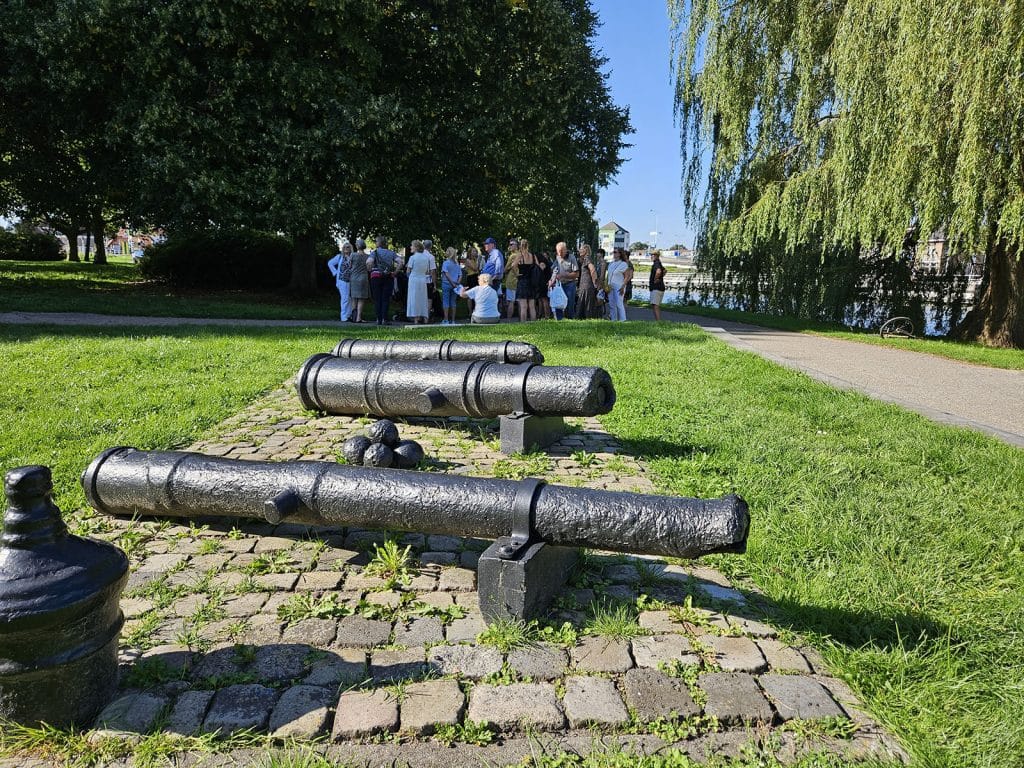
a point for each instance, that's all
(617, 622)
(508, 634)
(308, 605)
(478, 734)
(391, 564)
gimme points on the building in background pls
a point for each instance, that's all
(612, 236)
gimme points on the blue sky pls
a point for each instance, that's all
(634, 37)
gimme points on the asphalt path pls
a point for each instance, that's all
(990, 400)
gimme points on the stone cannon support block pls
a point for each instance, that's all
(523, 588)
(523, 433)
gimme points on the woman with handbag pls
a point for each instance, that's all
(359, 281)
(587, 306)
(526, 282)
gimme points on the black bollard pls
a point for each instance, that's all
(60, 618)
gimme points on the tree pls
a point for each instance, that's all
(61, 159)
(842, 124)
(639, 245)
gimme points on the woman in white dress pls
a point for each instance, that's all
(419, 268)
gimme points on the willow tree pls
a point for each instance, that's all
(846, 122)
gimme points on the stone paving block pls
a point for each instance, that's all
(133, 608)
(261, 630)
(622, 592)
(204, 563)
(161, 563)
(343, 666)
(593, 701)
(539, 662)
(394, 666)
(245, 605)
(419, 632)
(430, 704)
(281, 582)
(440, 600)
(320, 581)
(273, 544)
(364, 713)
(734, 698)
(389, 599)
(727, 594)
(782, 658)
(239, 707)
(653, 694)
(469, 559)
(333, 558)
(444, 543)
(709, 575)
(508, 707)
(659, 621)
(302, 712)
(280, 663)
(799, 698)
(219, 661)
(357, 632)
(319, 632)
(656, 650)
(736, 654)
(438, 558)
(465, 629)
(601, 654)
(457, 580)
(423, 583)
(134, 713)
(189, 711)
(359, 582)
(752, 627)
(624, 574)
(171, 658)
(474, 662)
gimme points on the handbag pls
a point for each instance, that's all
(376, 273)
(557, 297)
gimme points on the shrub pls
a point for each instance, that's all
(220, 259)
(16, 246)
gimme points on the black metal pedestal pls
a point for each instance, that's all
(522, 432)
(522, 588)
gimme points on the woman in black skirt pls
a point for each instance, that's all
(526, 286)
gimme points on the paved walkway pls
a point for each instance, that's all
(990, 400)
(286, 631)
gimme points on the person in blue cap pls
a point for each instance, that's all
(495, 264)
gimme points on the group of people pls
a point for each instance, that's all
(539, 286)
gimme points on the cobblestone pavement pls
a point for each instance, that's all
(293, 631)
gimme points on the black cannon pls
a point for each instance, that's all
(481, 388)
(521, 515)
(449, 349)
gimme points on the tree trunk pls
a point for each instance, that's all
(304, 265)
(97, 229)
(73, 244)
(997, 319)
(88, 243)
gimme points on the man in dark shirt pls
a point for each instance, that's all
(656, 284)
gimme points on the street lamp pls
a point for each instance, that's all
(654, 234)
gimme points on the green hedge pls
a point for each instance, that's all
(15, 246)
(221, 259)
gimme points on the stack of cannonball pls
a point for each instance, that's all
(381, 448)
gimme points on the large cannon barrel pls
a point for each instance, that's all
(482, 388)
(449, 349)
(127, 481)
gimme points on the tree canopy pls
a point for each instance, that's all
(447, 118)
(844, 124)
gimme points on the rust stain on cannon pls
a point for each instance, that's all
(126, 481)
(481, 388)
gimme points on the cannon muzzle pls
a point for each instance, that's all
(125, 481)
(449, 349)
(483, 389)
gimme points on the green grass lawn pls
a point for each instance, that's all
(119, 289)
(966, 352)
(893, 543)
